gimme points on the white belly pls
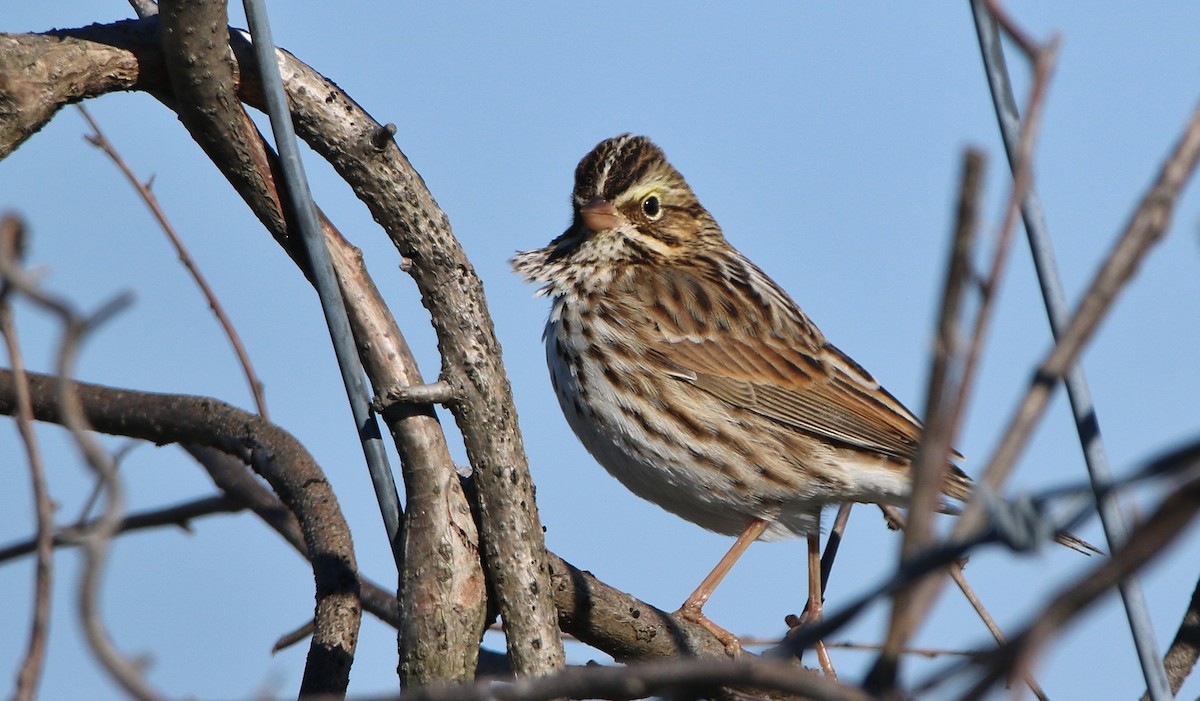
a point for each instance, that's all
(649, 465)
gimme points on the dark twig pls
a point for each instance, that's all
(272, 452)
(836, 532)
(674, 678)
(1185, 648)
(943, 409)
(1145, 542)
(179, 515)
(1087, 423)
(12, 234)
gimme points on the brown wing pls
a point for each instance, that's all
(823, 394)
(730, 331)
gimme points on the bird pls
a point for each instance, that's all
(693, 377)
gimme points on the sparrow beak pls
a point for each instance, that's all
(598, 215)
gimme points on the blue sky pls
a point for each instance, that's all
(826, 140)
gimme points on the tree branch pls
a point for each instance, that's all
(273, 453)
(514, 551)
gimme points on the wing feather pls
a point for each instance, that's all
(764, 355)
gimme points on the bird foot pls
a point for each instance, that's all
(797, 623)
(694, 614)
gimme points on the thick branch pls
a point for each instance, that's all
(441, 590)
(342, 133)
(440, 533)
(595, 613)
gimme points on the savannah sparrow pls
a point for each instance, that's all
(695, 380)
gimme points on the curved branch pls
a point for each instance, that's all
(441, 589)
(438, 529)
(345, 135)
(595, 613)
(274, 454)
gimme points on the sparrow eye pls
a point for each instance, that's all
(652, 207)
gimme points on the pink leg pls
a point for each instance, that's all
(692, 608)
(814, 608)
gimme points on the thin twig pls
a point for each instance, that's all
(960, 578)
(179, 515)
(76, 328)
(11, 241)
(101, 141)
(943, 412)
(957, 573)
(1145, 228)
(941, 425)
(1147, 540)
(1022, 179)
(293, 637)
(93, 497)
(923, 594)
(1087, 424)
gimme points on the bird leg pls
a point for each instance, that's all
(692, 608)
(814, 607)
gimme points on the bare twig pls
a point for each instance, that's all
(76, 328)
(100, 141)
(1146, 542)
(957, 573)
(178, 515)
(1145, 228)
(272, 452)
(941, 425)
(12, 233)
(1044, 60)
(943, 412)
(595, 613)
(293, 637)
(128, 56)
(960, 579)
(441, 574)
(93, 497)
(1087, 424)
(917, 600)
(926, 652)
(511, 535)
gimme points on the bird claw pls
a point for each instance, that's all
(733, 644)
